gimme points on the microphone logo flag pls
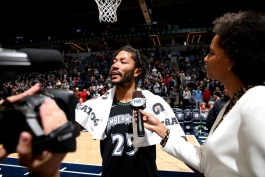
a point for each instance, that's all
(137, 102)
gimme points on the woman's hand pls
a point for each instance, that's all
(152, 123)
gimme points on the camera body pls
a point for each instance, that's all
(24, 116)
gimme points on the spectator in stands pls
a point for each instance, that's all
(212, 87)
(207, 85)
(150, 61)
(201, 85)
(58, 83)
(193, 77)
(186, 98)
(163, 91)
(96, 94)
(218, 105)
(178, 79)
(22, 87)
(148, 86)
(156, 89)
(182, 77)
(181, 65)
(187, 79)
(187, 59)
(96, 73)
(161, 80)
(217, 92)
(206, 96)
(188, 68)
(198, 97)
(84, 95)
(79, 83)
(172, 82)
(180, 96)
(234, 146)
(154, 71)
(71, 83)
(101, 79)
(49, 85)
(75, 81)
(77, 95)
(91, 91)
(220, 85)
(192, 59)
(93, 81)
(80, 102)
(172, 97)
(167, 79)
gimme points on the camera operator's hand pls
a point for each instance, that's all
(45, 163)
(12, 99)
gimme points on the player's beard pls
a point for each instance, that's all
(125, 79)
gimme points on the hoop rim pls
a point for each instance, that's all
(107, 10)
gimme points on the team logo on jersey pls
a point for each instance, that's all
(105, 96)
(119, 119)
(157, 108)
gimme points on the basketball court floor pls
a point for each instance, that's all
(86, 161)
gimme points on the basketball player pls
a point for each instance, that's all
(109, 118)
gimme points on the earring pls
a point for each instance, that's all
(229, 68)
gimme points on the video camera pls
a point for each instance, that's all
(24, 114)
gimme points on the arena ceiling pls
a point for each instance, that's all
(50, 17)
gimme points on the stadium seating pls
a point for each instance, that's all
(187, 118)
(180, 116)
(196, 117)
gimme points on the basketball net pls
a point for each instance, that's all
(107, 10)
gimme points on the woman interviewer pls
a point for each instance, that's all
(235, 145)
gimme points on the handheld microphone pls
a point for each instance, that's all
(138, 102)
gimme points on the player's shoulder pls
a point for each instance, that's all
(150, 96)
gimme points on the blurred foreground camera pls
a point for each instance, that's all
(24, 116)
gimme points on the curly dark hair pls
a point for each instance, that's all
(139, 58)
(243, 37)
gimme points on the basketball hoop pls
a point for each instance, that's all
(107, 10)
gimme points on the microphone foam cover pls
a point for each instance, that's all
(44, 59)
(137, 94)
